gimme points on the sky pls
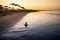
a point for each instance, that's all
(34, 4)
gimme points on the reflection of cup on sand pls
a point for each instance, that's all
(25, 24)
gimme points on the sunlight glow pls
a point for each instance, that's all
(34, 4)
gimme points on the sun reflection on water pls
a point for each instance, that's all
(36, 19)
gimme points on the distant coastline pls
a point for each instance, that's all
(24, 10)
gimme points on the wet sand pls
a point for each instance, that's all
(10, 20)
